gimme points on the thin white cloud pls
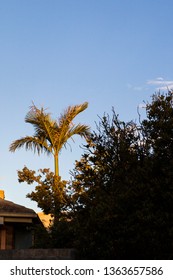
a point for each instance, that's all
(136, 88)
(160, 79)
(161, 84)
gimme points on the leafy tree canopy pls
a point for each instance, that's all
(123, 187)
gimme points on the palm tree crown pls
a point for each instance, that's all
(51, 135)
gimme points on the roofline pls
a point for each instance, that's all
(8, 214)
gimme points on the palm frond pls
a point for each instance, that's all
(79, 129)
(31, 143)
(70, 113)
(43, 124)
(66, 125)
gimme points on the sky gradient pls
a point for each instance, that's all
(64, 52)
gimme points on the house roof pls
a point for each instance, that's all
(9, 208)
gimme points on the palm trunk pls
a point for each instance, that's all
(56, 190)
(56, 163)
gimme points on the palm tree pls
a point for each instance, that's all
(51, 135)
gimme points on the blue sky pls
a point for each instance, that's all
(65, 52)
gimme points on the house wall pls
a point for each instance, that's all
(15, 236)
(2, 238)
(6, 237)
(9, 237)
(22, 237)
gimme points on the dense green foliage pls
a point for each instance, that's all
(123, 187)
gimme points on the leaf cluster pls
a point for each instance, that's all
(50, 190)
